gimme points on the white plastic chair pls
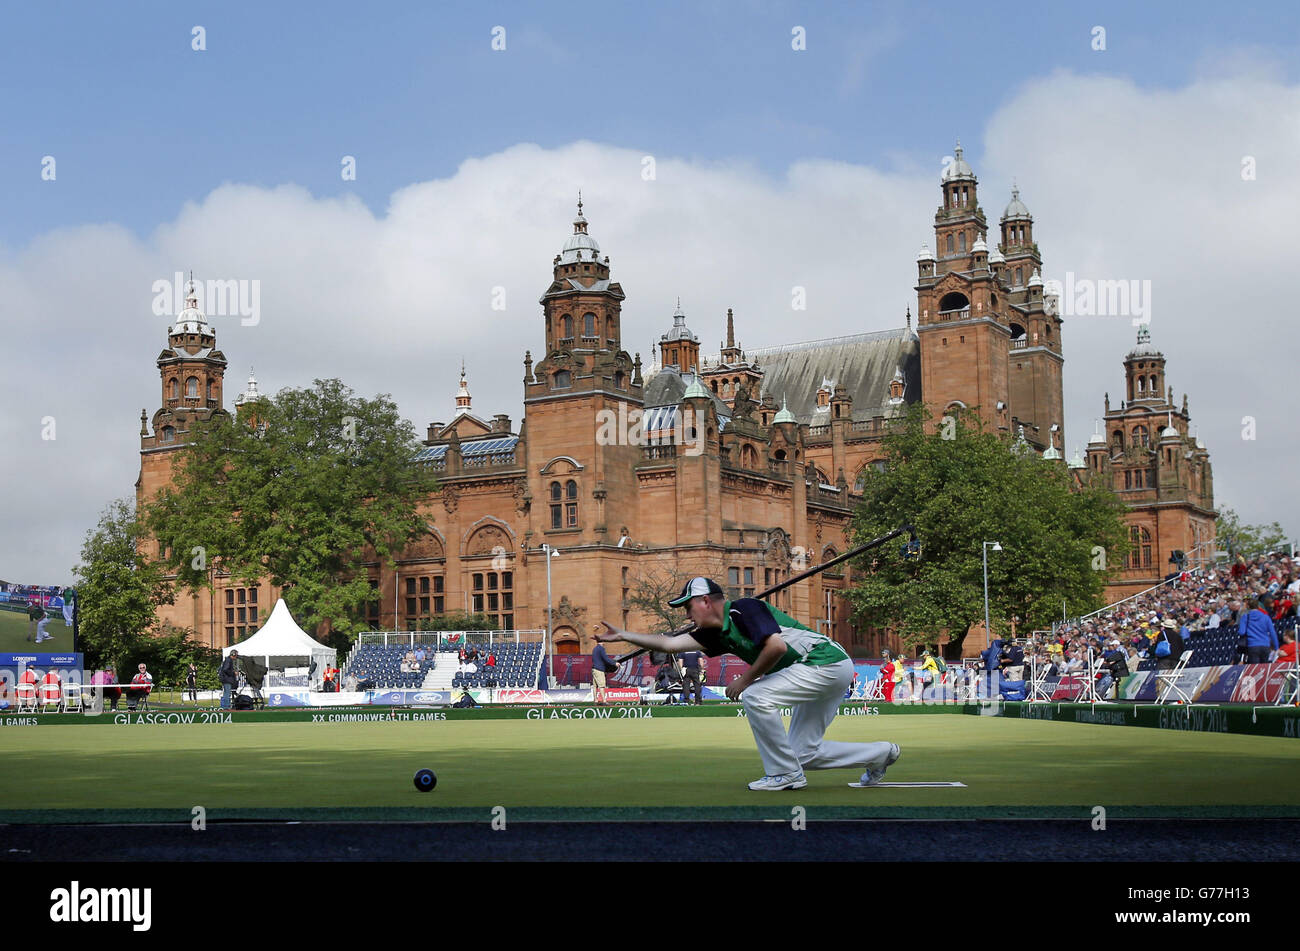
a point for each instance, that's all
(1167, 680)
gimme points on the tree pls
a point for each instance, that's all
(456, 621)
(303, 488)
(1248, 540)
(118, 589)
(652, 586)
(1058, 542)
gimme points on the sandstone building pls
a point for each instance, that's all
(769, 443)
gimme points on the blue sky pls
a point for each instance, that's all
(139, 123)
(776, 169)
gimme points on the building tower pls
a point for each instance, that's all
(584, 377)
(1037, 399)
(1161, 471)
(733, 370)
(679, 347)
(191, 369)
(964, 335)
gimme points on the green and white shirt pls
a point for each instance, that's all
(749, 622)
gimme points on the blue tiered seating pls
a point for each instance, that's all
(1210, 648)
(517, 666)
(383, 666)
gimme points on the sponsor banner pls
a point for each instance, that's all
(1261, 683)
(1188, 681)
(1069, 687)
(518, 695)
(1131, 686)
(403, 698)
(431, 697)
(574, 669)
(40, 660)
(622, 695)
(279, 699)
(568, 696)
(1219, 684)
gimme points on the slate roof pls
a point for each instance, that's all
(863, 364)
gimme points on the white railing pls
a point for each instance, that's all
(430, 638)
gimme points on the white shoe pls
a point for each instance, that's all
(785, 781)
(873, 776)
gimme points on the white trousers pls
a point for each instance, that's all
(814, 695)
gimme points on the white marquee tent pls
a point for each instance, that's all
(282, 643)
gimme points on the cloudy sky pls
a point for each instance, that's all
(716, 162)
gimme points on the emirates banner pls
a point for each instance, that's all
(621, 695)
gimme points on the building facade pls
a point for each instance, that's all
(1149, 456)
(744, 465)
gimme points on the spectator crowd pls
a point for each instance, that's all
(1257, 598)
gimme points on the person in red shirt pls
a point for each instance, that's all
(51, 688)
(887, 676)
(141, 685)
(27, 684)
(491, 660)
(1286, 653)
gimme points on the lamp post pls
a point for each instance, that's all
(550, 634)
(985, 551)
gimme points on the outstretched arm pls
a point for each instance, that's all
(655, 642)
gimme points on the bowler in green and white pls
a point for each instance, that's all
(790, 665)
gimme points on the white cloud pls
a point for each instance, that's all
(1123, 182)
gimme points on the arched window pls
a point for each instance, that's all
(571, 504)
(589, 325)
(1140, 555)
(1117, 439)
(950, 247)
(748, 457)
(780, 455)
(566, 324)
(556, 508)
(173, 389)
(1020, 277)
(168, 434)
(209, 389)
(618, 380)
(961, 242)
(1140, 436)
(954, 301)
(192, 388)
(563, 378)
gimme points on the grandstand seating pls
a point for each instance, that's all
(1213, 648)
(518, 665)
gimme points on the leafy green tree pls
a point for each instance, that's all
(303, 488)
(1248, 540)
(118, 589)
(170, 654)
(1059, 544)
(456, 621)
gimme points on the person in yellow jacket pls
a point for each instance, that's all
(929, 667)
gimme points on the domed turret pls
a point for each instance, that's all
(958, 170)
(580, 246)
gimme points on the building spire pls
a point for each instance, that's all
(462, 395)
(731, 331)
